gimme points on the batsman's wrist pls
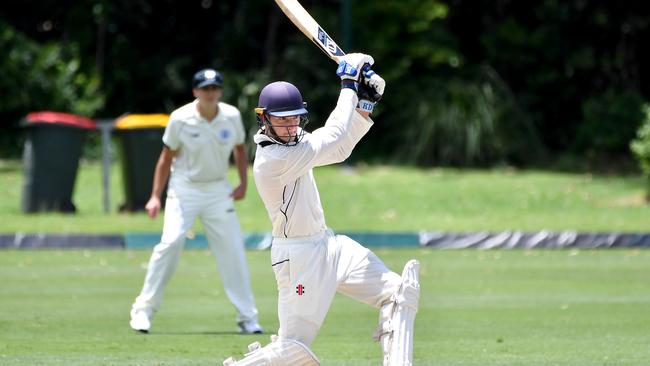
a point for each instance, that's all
(351, 84)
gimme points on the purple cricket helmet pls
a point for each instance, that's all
(281, 99)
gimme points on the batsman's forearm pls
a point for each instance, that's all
(343, 129)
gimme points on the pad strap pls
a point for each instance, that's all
(280, 352)
(382, 329)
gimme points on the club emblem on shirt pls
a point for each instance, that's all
(300, 289)
(223, 135)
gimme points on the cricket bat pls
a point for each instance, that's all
(306, 23)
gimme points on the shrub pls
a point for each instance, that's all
(469, 121)
(641, 148)
(41, 77)
(609, 122)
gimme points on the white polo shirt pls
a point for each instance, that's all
(284, 176)
(204, 147)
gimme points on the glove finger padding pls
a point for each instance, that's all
(370, 89)
(374, 81)
(351, 65)
(368, 93)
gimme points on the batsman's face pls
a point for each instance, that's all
(210, 94)
(286, 128)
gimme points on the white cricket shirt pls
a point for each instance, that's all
(283, 174)
(204, 146)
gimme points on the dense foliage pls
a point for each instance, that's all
(469, 82)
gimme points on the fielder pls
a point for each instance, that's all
(310, 262)
(198, 140)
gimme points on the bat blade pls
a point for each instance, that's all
(307, 25)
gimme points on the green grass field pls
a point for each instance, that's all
(561, 307)
(517, 307)
(382, 199)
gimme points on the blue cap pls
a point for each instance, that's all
(207, 77)
(282, 99)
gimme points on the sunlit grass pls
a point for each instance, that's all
(500, 307)
(382, 199)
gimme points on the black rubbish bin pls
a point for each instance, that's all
(51, 158)
(141, 143)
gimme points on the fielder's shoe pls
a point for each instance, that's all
(250, 327)
(140, 321)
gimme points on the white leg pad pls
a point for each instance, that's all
(397, 317)
(384, 332)
(279, 352)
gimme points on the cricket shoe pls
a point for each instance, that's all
(140, 321)
(250, 327)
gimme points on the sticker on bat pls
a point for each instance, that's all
(328, 43)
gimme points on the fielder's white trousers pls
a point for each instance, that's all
(310, 270)
(215, 208)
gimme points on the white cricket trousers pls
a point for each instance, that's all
(213, 205)
(310, 270)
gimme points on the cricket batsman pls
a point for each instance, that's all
(310, 262)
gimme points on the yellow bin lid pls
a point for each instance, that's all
(132, 121)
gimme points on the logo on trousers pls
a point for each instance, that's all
(300, 290)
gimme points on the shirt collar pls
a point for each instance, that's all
(198, 115)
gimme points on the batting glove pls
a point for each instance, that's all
(374, 81)
(371, 90)
(350, 67)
